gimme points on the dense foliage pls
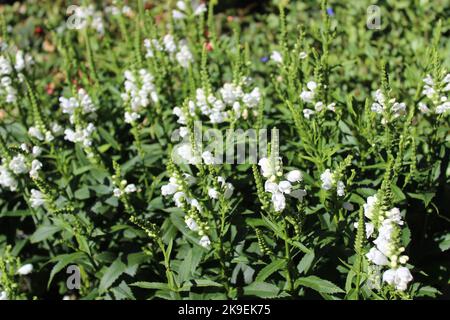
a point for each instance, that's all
(103, 175)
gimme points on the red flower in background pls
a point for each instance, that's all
(38, 30)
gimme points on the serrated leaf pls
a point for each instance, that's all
(44, 232)
(268, 270)
(151, 285)
(261, 290)
(63, 261)
(112, 274)
(318, 284)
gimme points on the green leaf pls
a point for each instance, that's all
(112, 273)
(82, 193)
(108, 138)
(63, 261)
(444, 245)
(122, 292)
(261, 290)
(151, 285)
(305, 262)
(268, 270)
(16, 213)
(44, 232)
(318, 284)
(184, 269)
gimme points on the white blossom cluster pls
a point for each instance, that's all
(90, 17)
(115, 11)
(7, 90)
(387, 250)
(139, 91)
(226, 188)
(380, 105)
(230, 103)
(179, 52)
(124, 188)
(182, 10)
(437, 95)
(38, 134)
(279, 186)
(309, 95)
(329, 182)
(175, 189)
(22, 163)
(76, 107)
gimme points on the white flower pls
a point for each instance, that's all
(285, 187)
(398, 277)
(196, 204)
(3, 295)
(186, 153)
(340, 189)
(213, 193)
(169, 189)
(377, 257)
(200, 9)
(230, 93)
(130, 188)
(307, 113)
(294, 176)
(178, 198)
(5, 66)
(383, 244)
(307, 96)
(442, 108)
(399, 108)
(370, 228)
(327, 179)
(395, 216)
(278, 201)
(208, 157)
(25, 269)
(423, 107)
(184, 56)
(191, 224)
(268, 167)
(36, 165)
(117, 192)
(169, 43)
(377, 108)
(177, 15)
(18, 164)
(36, 151)
(37, 198)
(252, 99)
(319, 106)
(302, 55)
(332, 107)
(7, 180)
(131, 117)
(270, 186)
(276, 57)
(205, 242)
(370, 206)
(68, 105)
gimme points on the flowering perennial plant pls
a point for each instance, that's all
(193, 150)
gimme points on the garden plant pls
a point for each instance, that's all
(224, 150)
